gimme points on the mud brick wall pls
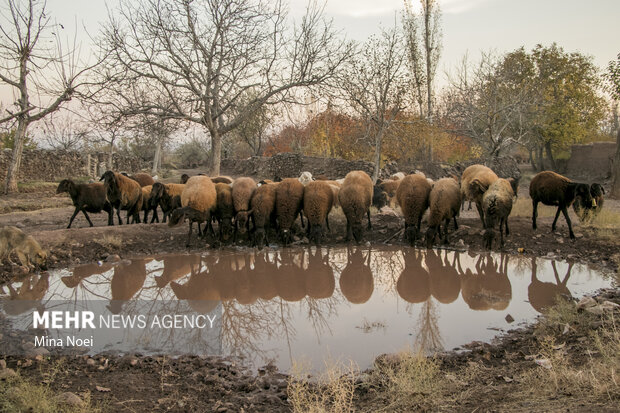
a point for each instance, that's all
(54, 165)
(592, 160)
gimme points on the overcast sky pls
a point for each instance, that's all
(469, 26)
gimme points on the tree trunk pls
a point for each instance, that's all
(16, 160)
(550, 156)
(216, 153)
(157, 157)
(377, 156)
(111, 157)
(541, 160)
(615, 169)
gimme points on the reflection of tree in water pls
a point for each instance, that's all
(543, 295)
(428, 336)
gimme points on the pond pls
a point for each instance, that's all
(305, 305)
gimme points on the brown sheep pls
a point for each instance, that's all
(475, 181)
(222, 180)
(554, 189)
(198, 201)
(355, 198)
(263, 207)
(143, 179)
(496, 205)
(242, 190)
(123, 193)
(289, 202)
(444, 202)
(224, 211)
(87, 198)
(412, 196)
(147, 205)
(184, 178)
(163, 194)
(318, 201)
(390, 187)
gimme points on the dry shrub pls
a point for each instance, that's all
(411, 382)
(332, 391)
(111, 241)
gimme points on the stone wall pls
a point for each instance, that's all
(54, 165)
(592, 160)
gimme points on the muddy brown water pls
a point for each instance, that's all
(307, 305)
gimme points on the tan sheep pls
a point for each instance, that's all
(289, 202)
(198, 201)
(475, 181)
(412, 196)
(318, 201)
(444, 202)
(496, 205)
(390, 187)
(355, 198)
(123, 193)
(163, 194)
(242, 190)
(263, 206)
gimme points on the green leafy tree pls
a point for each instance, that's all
(613, 78)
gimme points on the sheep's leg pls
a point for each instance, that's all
(456, 226)
(327, 223)
(469, 208)
(481, 213)
(146, 216)
(87, 218)
(155, 216)
(73, 217)
(445, 232)
(570, 226)
(118, 214)
(349, 231)
(506, 225)
(534, 213)
(189, 234)
(557, 215)
(369, 224)
(111, 216)
(301, 217)
(501, 232)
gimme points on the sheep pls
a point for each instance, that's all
(242, 190)
(305, 178)
(390, 187)
(355, 198)
(496, 205)
(142, 178)
(263, 205)
(86, 198)
(222, 180)
(289, 202)
(265, 182)
(335, 187)
(475, 180)
(412, 196)
(123, 193)
(198, 201)
(379, 196)
(318, 201)
(184, 178)
(224, 210)
(586, 211)
(162, 195)
(147, 205)
(445, 202)
(551, 188)
(397, 176)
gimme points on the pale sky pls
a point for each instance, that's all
(469, 26)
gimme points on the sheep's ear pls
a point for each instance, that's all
(102, 177)
(602, 189)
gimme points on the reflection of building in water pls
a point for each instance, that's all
(82, 272)
(127, 280)
(543, 295)
(490, 288)
(177, 266)
(28, 296)
(319, 279)
(356, 281)
(413, 285)
(445, 283)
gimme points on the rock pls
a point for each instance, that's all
(70, 399)
(113, 258)
(2, 364)
(586, 302)
(509, 318)
(6, 373)
(90, 362)
(28, 346)
(103, 389)
(546, 363)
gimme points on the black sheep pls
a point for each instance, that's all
(585, 210)
(86, 198)
(554, 189)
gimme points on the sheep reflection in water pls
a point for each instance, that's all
(356, 279)
(490, 287)
(543, 295)
(128, 279)
(28, 296)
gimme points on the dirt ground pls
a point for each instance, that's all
(138, 384)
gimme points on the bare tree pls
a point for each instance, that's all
(32, 61)
(206, 54)
(375, 83)
(63, 132)
(484, 103)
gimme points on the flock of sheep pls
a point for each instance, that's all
(243, 206)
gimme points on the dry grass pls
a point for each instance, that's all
(332, 392)
(523, 208)
(111, 241)
(20, 395)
